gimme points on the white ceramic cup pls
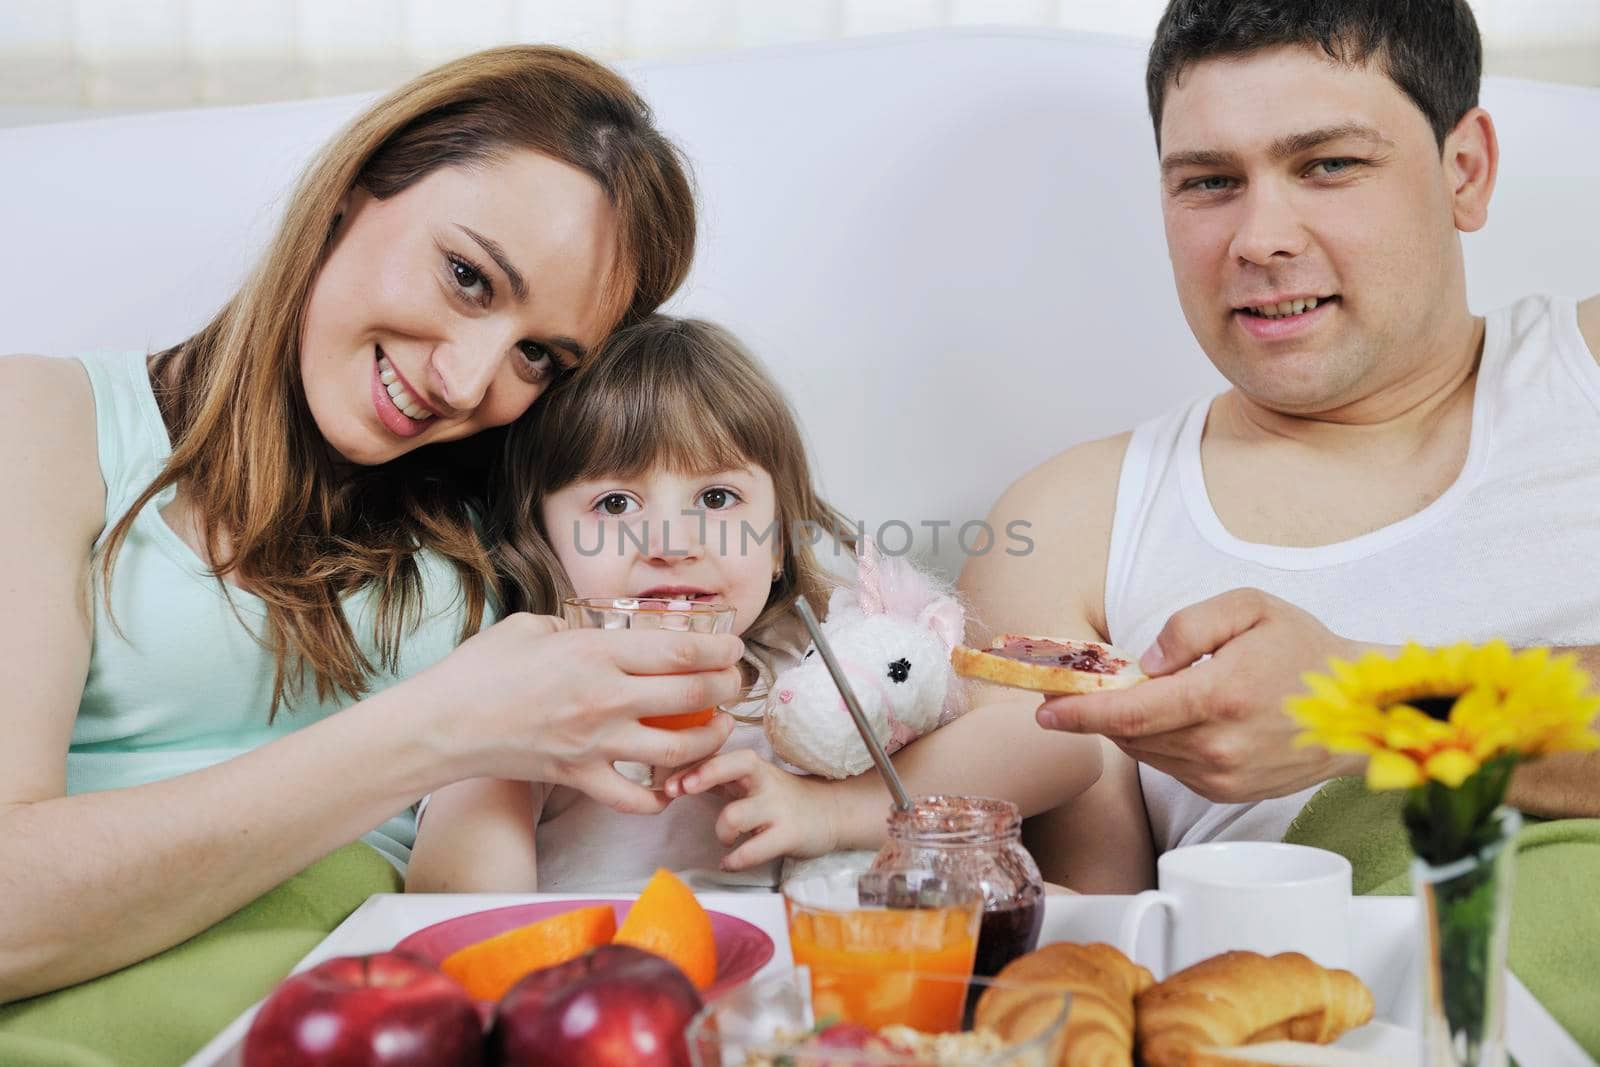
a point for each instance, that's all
(1257, 895)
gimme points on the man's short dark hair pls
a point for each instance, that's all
(1429, 48)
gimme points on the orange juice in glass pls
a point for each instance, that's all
(874, 963)
(652, 613)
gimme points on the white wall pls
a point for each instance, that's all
(69, 58)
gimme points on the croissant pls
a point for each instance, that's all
(1242, 998)
(1103, 983)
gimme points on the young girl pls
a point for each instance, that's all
(669, 466)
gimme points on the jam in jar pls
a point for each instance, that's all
(977, 839)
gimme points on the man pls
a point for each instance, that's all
(1386, 465)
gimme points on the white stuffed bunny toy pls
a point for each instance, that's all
(892, 634)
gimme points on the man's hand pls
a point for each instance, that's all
(1218, 726)
(776, 813)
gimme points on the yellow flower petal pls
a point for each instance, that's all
(1391, 770)
(1524, 703)
(1409, 728)
(1561, 739)
(1452, 767)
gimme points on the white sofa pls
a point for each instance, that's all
(946, 245)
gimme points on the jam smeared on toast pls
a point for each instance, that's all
(1091, 659)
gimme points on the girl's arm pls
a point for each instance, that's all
(772, 813)
(96, 881)
(994, 750)
(477, 836)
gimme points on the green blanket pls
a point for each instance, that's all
(1555, 923)
(161, 1011)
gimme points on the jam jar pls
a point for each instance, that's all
(976, 839)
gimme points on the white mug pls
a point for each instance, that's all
(1257, 895)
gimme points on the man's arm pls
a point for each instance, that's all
(1567, 785)
(1098, 842)
(1589, 324)
(1218, 726)
(1211, 715)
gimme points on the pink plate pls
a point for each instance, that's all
(742, 948)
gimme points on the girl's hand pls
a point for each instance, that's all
(783, 814)
(529, 699)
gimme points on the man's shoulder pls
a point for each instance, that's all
(1061, 513)
(1589, 324)
(1082, 474)
(1088, 473)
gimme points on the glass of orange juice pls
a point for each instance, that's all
(652, 613)
(882, 950)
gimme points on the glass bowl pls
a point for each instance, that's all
(760, 1023)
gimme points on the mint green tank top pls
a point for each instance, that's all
(181, 682)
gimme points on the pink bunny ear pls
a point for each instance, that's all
(946, 619)
(893, 585)
(905, 590)
(869, 581)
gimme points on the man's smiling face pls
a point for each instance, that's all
(1286, 178)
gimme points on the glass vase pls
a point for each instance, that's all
(1466, 915)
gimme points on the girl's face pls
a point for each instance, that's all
(711, 537)
(449, 307)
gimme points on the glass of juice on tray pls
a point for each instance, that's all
(652, 613)
(886, 950)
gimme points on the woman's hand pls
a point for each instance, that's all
(530, 699)
(784, 814)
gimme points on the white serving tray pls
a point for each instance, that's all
(1384, 954)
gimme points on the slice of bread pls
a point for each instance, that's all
(1048, 665)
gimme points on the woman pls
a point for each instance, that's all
(211, 551)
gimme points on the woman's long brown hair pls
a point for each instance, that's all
(678, 392)
(276, 514)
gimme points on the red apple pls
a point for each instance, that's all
(389, 1009)
(615, 1006)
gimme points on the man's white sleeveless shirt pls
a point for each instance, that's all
(1511, 549)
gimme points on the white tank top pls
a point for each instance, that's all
(1508, 550)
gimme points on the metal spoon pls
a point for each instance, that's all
(902, 800)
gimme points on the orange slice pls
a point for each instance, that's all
(669, 921)
(490, 967)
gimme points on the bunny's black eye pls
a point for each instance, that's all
(812, 651)
(899, 670)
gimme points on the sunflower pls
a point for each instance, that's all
(1448, 726)
(1441, 714)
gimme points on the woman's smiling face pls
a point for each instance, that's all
(448, 308)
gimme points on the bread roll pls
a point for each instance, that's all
(1103, 983)
(1243, 998)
